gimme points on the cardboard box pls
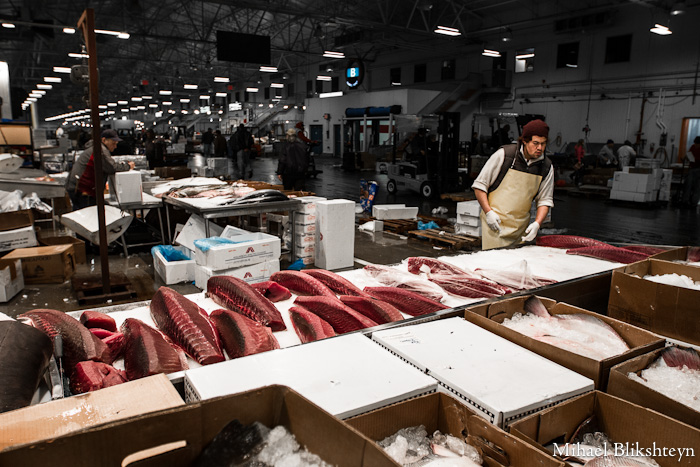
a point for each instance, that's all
(176, 437)
(442, 412)
(128, 187)
(194, 230)
(174, 272)
(466, 219)
(504, 381)
(24, 427)
(469, 208)
(675, 254)
(45, 264)
(254, 273)
(84, 222)
(392, 211)
(622, 386)
(663, 309)
(78, 245)
(335, 245)
(462, 229)
(490, 316)
(11, 279)
(641, 162)
(17, 230)
(173, 172)
(622, 421)
(252, 248)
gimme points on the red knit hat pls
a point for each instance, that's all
(535, 128)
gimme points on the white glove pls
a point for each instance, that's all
(493, 221)
(531, 232)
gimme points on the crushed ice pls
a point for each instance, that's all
(413, 446)
(680, 384)
(282, 450)
(675, 280)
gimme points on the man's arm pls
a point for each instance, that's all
(482, 198)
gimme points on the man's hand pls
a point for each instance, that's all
(493, 221)
(132, 164)
(531, 232)
(279, 176)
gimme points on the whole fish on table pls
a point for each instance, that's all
(609, 253)
(392, 277)
(567, 241)
(406, 301)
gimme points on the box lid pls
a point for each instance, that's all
(16, 220)
(38, 251)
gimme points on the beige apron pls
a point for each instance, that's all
(511, 201)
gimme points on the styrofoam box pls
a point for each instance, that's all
(309, 204)
(469, 208)
(231, 232)
(305, 251)
(466, 219)
(304, 219)
(345, 375)
(644, 163)
(84, 223)
(256, 247)
(335, 246)
(217, 162)
(174, 272)
(499, 379)
(385, 206)
(622, 195)
(128, 186)
(254, 273)
(303, 229)
(463, 229)
(10, 287)
(194, 230)
(389, 213)
(18, 238)
(305, 239)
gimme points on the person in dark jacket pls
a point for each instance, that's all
(244, 141)
(219, 144)
(293, 163)
(208, 143)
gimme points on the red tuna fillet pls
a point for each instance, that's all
(408, 302)
(237, 295)
(148, 352)
(466, 286)
(677, 357)
(694, 254)
(96, 319)
(79, 344)
(308, 326)
(335, 282)
(187, 325)
(392, 277)
(272, 291)
(114, 340)
(645, 249)
(609, 253)
(241, 336)
(436, 266)
(301, 284)
(342, 318)
(91, 376)
(378, 311)
(567, 241)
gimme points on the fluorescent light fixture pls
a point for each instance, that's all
(153, 106)
(395, 84)
(158, 115)
(678, 9)
(123, 102)
(524, 56)
(447, 31)
(276, 85)
(285, 107)
(141, 107)
(133, 109)
(167, 102)
(69, 30)
(190, 86)
(32, 99)
(8, 25)
(35, 94)
(123, 35)
(661, 30)
(136, 99)
(119, 34)
(185, 101)
(196, 111)
(38, 91)
(220, 94)
(52, 79)
(330, 94)
(61, 69)
(251, 89)
(331, 54)
(491, 53)
(44, 86)
(111, 104)
(75, 55)
(164, 92)
(269, 69)
(260, 104)
(204, 96)
(221, 79)
(571, 65)
(102, 107)
(323, 78)
(146, 97)
(124, 110)
(183, 111)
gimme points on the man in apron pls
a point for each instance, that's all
(511, 179)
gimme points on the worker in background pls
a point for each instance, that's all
(302, 137)
(692, 181)
(579, 166)
(220, 147)
(626, 154)
(293, 163)
(208, 143)
(514, 176)
(244, 142)
(81, 180)
(606, 156)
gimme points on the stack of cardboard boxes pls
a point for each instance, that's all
(305, 229)
(468, 221)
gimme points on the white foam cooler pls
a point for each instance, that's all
(500, 380)
(346, 375)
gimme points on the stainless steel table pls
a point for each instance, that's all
(47, 190)
(290, 205)
(150, 202)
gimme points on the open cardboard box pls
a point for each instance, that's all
(175, 437)
(45, 264)
(17, 230)
(439, 411)
(490, 316)
(78, 245)
(622, 421)
(677, 254)
(663, 309)
(621, 386)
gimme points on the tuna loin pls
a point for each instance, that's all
(677, 357)
(187, 325)
(301, 284)
(377, 310)
(91, 376)
(342, 318)
(79, 344)
(408, 302)
(148, 352)
(237, 295)
(309, 326)
(96, 319)
(466, 286)
(645, 249)
(609, 253)
(272, 291)
(567, 241)
(392, 277)
(418, 264)
(114, 340)
(241, 336)
(335, 282)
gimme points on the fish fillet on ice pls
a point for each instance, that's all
(272, 291)
(609, 253)
(341, 317)
(418, 264)
(567, 241)
(467, 286)
(335, 282)
(408, 302)
(237, 295)
(148, 352)
(301, 283)
(392, 277)
(91, 376)
(96, 319)
(241, 336)
(377, 310)
(309, 326)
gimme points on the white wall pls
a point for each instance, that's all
(6, 108)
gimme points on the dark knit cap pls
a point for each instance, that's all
(535, 128)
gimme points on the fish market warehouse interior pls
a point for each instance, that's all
(428, 232)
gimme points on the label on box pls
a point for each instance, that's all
(304, 219)
(254, 273)
(17, 238)
(251, 249)
(302, 229)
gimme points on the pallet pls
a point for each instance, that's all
(446, 239)
(461, 196)
(88, 288)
